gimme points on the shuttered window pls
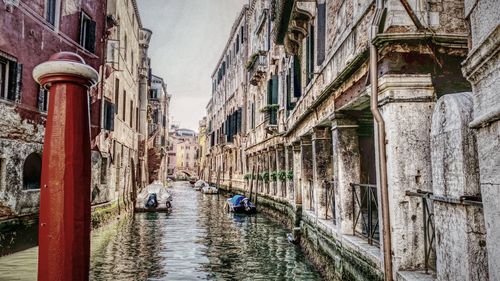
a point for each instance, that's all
(109, 116)
(43, 99)
(10, 79)
(50, 14)
(320, 45)
(87, 32)
(310, 54)
(117, 95)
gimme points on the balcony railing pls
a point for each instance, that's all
(365, 212)
(256, 67)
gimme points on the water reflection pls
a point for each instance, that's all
(199, 240)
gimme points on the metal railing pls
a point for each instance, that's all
(428, 226)
(428, 199)
(365, 212)
(330, 201)
(311, 196)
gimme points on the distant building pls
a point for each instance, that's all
(202, 146)
(182, 153)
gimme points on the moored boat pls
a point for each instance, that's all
(207, 189)
(154, 198)
(240, 204)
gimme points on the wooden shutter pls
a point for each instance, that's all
(297, 80)
(274, 90)
(320, 57)
(90, 36)
(13, 81)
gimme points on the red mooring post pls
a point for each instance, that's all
(64, 223)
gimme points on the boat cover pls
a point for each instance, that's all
(200, 184)
(236, 200)
(154, 188)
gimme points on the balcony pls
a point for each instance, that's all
(256, 66)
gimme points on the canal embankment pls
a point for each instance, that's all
(336, 256)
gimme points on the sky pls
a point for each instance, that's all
(188, 39)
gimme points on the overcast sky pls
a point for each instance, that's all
(188, 39)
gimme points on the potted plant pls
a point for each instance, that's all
(265, 177)
(289, 174)
(274, 176)
(281, 175)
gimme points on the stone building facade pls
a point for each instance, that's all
(42, 28)
(357, 115)
(109, 36)
(158, 129)
(182, 153)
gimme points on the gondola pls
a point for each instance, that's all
(240, 204)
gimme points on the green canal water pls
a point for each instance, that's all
(198, 240)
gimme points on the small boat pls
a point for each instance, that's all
(207, 189)
(192, 181)
(199, 185)
(154, 198)
(240, 204)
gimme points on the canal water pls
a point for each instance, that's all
(198, 240)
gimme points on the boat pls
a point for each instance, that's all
(240, 204)
(207, 189)
(154, 198)
(199, 185)
(192, 181)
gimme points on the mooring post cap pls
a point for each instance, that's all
(65, 63)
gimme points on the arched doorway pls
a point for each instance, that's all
(32, 171)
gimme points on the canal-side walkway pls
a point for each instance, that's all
(199, 240)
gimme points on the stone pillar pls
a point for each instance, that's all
(266, 161)
(289, 167)
(461, 247)
(482, 69)
(272, 169)
(322, 170)
(407, 103)
(307, 172)
(297, 173)
(280, 168)
(346, 169)
(64, 224)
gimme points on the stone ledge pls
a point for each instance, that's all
(414, 276)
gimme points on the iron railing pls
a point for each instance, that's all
(428, 199)
(428, 226)
(365, 212)
(311, 196)
(257, 68)
(330, 201)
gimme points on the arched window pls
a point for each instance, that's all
(32, 171)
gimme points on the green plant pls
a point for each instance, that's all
(269, 107)
(259, 177)
(274, 176)
(247, 176)
(289, 174)
(281, 175)
(265, 177)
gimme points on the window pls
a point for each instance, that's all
(87, 33)
(10, 79)
(124, 107)
(117, 94)
(104, 170)
(43, 99)
(310, 55)
(109, 116)
(125, 47)
(50, 14)
(32, 171)
(132, 59)
(320, 57)
(153, 94)
(131, 121)
(137, 118)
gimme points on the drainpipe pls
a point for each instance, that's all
(381, 164)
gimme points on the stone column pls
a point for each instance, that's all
(482, 69)
(322, 169)
(266, 170)
(272, 169)
(461, 247)
(346, 169)
(307, 172)
(289, 167)
(280, 167)
(297, 173)
(407, 103)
